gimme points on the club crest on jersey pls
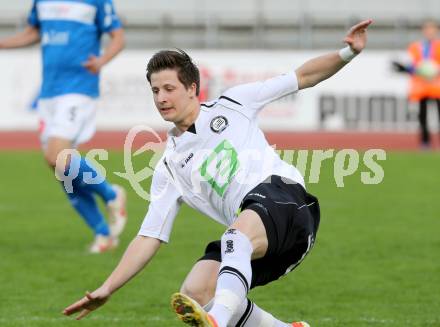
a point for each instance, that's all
(219, 124)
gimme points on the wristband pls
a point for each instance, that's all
(347, 54)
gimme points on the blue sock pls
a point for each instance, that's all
(85, 204)
(103, 189)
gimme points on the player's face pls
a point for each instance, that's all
(172, 98)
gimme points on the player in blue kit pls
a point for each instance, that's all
(70, 35)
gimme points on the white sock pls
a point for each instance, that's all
(249, 314)
(208, 306)
(235, 276)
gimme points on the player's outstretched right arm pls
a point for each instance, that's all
(140, 251)
(29, 36)
(320, 68)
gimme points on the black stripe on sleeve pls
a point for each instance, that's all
(229, 99)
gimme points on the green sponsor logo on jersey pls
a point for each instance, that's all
(220, 166)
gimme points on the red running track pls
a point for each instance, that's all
(28, 140)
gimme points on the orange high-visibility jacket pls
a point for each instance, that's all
(421, 88)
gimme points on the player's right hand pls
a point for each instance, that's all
(88, 303)
(356, 37)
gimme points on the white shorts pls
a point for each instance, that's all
(69, 116)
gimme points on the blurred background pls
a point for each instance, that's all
(377, 257)
(254, 24)
(240, 41)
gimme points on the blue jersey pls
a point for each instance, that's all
(70, 32)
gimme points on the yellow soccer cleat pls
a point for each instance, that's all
(190, 312)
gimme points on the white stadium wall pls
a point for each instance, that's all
(366, 96)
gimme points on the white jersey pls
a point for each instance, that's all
(213, 165)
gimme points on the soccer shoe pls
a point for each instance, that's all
(117, 212)
(190, 312)
(102, 244)
(300, 324)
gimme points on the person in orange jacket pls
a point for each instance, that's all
(425, 75)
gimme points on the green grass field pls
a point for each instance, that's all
(376, 261)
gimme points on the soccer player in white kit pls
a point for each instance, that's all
(218, 161)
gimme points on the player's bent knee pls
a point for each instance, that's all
(58, 151)
(51, 159)
(198, 293)
(56, 157)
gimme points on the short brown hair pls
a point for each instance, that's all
(187, 71)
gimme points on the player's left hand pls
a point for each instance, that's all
(356, 37)
(93, 64)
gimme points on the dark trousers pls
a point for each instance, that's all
(425, 137)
